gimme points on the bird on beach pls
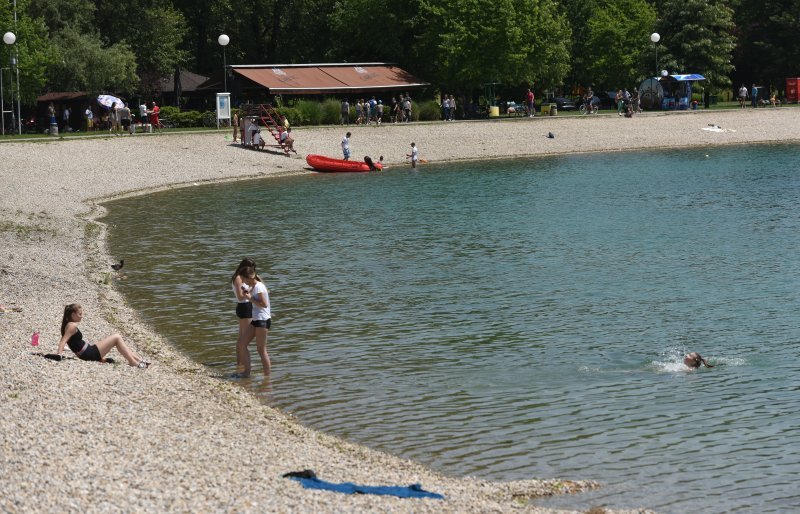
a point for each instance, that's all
(117, 267)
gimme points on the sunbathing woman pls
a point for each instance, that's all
(72, 337)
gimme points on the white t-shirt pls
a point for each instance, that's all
(260, 313)
(345, 143)
(414, 151)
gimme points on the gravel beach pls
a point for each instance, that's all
(90, 437)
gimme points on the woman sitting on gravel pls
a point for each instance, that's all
(72, 337)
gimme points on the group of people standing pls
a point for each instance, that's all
(367, 111)
(449, 107)
(117, 118)
(373, 110)
(627, 104)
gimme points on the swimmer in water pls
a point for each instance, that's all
(694, 359)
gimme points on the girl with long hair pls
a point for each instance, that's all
(244, 311)
(71, 336)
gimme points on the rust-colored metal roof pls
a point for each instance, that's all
(329, 78)
(64, 96)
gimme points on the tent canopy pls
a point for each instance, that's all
(687, 77)
(328, 78)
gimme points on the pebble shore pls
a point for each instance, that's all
(88, 437)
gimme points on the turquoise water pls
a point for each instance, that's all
(514, 319)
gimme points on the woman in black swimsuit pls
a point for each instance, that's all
(72, 337)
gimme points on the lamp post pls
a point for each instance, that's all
(655, 37)
(10, 38)
(223, 40)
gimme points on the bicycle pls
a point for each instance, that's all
(591, 110)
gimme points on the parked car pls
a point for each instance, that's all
(515, 109)
(605, 99)
(563, 104)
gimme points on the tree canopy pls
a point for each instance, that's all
(127, 47)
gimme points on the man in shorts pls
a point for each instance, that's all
(346, 146)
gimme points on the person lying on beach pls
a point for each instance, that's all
(694, 359)
(71, 336)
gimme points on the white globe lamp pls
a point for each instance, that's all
(10, 38)
(223, 41)
(655, 37)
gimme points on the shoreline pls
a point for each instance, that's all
(123, 433)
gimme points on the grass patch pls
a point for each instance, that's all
(26, 232)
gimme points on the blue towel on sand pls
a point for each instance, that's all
(412, 491)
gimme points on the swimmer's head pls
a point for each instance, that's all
(694, 360)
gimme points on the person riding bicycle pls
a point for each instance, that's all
(587, 100)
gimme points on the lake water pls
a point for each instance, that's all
(513, 319)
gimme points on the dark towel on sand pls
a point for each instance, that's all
(310, 481)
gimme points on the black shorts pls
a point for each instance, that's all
(126, 124)
(91, 353)
(244, 310)
(262, 323)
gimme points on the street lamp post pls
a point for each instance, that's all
(223, 40)
(10, 38)
(655, 37)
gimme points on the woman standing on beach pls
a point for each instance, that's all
(71, 336)
(261, 322)
(244, 311)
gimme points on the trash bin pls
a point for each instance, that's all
(553, 109)
(544, 109)
(494, 111)
(53, 129)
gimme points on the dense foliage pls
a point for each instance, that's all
(458, 45)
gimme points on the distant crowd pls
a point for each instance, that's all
(372, 110)
(116, 118)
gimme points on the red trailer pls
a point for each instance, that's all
(793, 90)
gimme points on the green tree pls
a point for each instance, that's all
(579, 13)
(157, 45)
(83, 64)
(618, 42)
(699, 38)
(768, 42)
(34, 50)
(470, 42)
(349, 32)
(78, 15)
(153, 30)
